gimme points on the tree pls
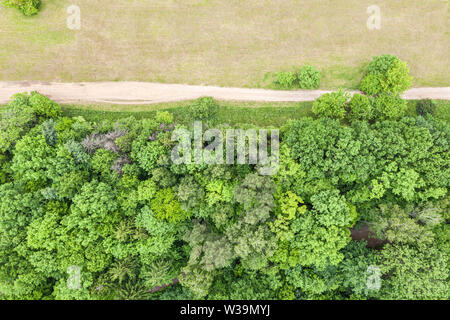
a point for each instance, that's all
(167, 207)
(203, 109)
(27, 7)
(30, 160)
(97, 210)
(412, 225)
(19, 278)
(43, 106)
(386, 74)
(209, 250)
(360, 107)
(254, 194)
(331, 104)
(355, 268)
(190, 193)
(332, 209)
(157, 241)
(147, 154)
(197, 280)
(414, 272)
(313, 282)
(16, 120)
(386, 106)
(317, 244)
(91, 222)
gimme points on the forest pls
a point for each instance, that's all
(97, 210)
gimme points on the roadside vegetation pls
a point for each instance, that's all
(92, 207)
(307, 77)
(27, 7)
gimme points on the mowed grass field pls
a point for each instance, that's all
(222, 42)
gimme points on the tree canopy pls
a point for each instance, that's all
(97, 210)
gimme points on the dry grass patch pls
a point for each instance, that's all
(222, 42)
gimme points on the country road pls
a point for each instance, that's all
(148, 93)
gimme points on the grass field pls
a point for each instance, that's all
(234, 113)
(222, 42)
(263, 114)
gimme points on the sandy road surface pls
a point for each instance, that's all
(148, 93)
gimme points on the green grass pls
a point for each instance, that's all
(233, 113)
(264, 114)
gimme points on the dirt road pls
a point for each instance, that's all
(148, 93)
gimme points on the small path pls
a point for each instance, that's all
(147, 93)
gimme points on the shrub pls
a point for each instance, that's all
(27, 7)
(43, 106)
(286, 79)
(371, 85)
(331, 104)
(308, 77)
(386, 74)
(425, 107)
(360, 107)
(164, 117)
(203, 109)
(387, 106)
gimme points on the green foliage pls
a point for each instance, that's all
(105, 199)
(22, 114)
(164, 117)
(386, 106)
(27, 7)
(360, 107)
(43, 106)
(419, 273)
(332, 209)
(425, 107)
(147, 154)
(331, 104)
(17, 119)
(49, 132)
(313, 282)
(413, 225)
(146, 191)
(190, 193)
(319, 242)
(308, 77)
(286, 79)
(354, 268)
(167, 207)
(203, 109)
(386, 74)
